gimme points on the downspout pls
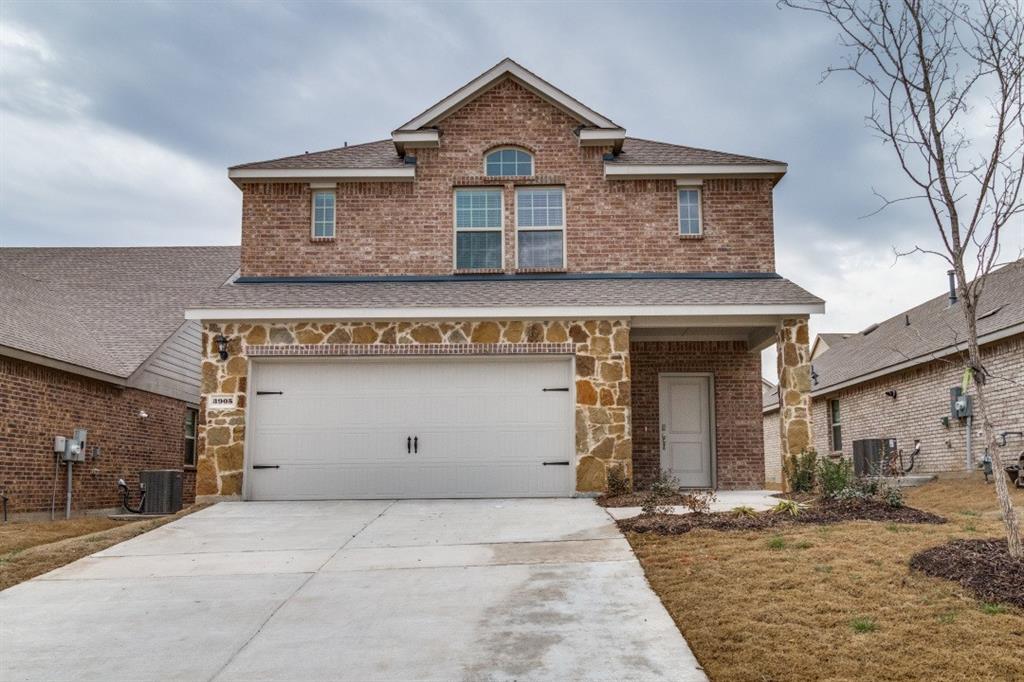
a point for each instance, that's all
(970, 427)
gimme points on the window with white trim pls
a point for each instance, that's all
(834, 425)
(323, 214)
(540, 227)
(478, 229)
(191, 422)
(690, 211)
(513, 162)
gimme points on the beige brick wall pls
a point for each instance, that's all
(922, 399)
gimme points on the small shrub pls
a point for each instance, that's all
(657, 499)
(787, 507)
(699, 501)
(992, 609)
(744, 511)
(862, 625)
(873, 487)
(776, 542)
(666, 485)
(834, 476)
(800, 471)
(618, 482)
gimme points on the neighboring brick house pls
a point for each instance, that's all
(96, 338)
(507, 297)
(893, 380)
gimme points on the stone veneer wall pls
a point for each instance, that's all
(601, 348)
(794, 387)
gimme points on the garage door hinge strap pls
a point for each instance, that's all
(557, 464)
(269, 392)
(555, 389)
(266, 466)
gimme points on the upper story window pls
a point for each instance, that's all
(323, 214)
(690, 217)
(540, 227)
(478, 229)
(509, 162)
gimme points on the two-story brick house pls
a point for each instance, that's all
(508, 297)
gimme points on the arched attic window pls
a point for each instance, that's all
(508, 161)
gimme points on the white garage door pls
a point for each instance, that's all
(410, 428)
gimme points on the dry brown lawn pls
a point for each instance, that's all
(31, 548)
(838, 602)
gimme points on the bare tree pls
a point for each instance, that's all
(933, 67)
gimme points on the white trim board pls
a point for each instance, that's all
(622, 171)
(405, 173)
(509, 312)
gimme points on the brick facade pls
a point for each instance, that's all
(406, 228)
(737, 379)
(922, 399)
(38, 403)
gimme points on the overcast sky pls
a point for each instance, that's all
(117, 121)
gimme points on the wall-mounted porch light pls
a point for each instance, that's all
(222, 346)
(891, 393)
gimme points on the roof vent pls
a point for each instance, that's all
(869, 329)
(906, 319)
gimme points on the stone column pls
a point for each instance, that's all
(794, 389)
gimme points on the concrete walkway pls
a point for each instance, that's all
(725, 500)
(367, 590)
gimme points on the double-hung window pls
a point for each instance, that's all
(191, 420)
(834, 425)
(540, 227)
(323, 214)
(689, 212)
(478, 229)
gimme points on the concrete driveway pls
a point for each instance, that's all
(357, 590)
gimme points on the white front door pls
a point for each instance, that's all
(410, 428)
(685, 404)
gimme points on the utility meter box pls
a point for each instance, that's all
(74, 450)
(960, 405)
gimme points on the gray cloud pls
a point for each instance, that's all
(117, 121)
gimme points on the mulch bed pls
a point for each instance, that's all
(983, 567)
(822, 512)
(637, 499)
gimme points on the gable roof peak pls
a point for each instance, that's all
(419, 131)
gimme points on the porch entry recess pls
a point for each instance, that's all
(686, 428)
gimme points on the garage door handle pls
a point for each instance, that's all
(416, 444)
(557, 464)
(408, 444)
(266, 466)
(269, 392)
(566, 389)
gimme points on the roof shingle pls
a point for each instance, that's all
(105, 309)
(509, 292)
